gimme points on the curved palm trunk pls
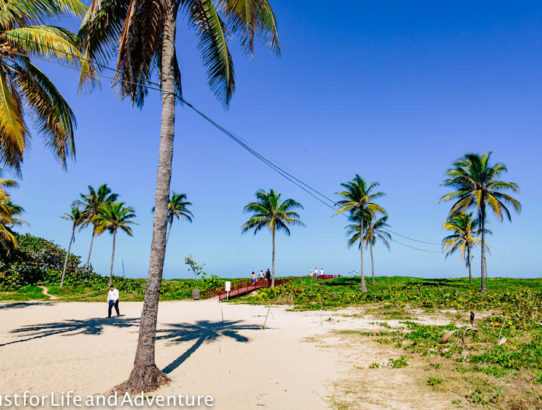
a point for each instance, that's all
(145, 375)
(112, 259)
(168, 232)
(90, 249)
(372, 263)
(469, 264)
(273, 261)
(483, 264)
(362, 271)
(66, 258)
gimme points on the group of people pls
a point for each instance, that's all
(315, 273)
(261, 275)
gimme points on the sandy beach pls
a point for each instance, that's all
(298, 362)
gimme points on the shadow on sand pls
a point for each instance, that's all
(70, 328)
(20, 305)
(200, 332)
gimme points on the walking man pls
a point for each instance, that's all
(113, 300)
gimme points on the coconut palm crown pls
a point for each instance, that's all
(25, 91)
(177, 208)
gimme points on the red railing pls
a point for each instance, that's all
(244, 286)
(211, 293)
(325, 277)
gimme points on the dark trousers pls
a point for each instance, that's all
(111, 304)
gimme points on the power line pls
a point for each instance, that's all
(413, 247)
(415, 240)
(315, 193)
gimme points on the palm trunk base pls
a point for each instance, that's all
(363, 285)
(144, 378)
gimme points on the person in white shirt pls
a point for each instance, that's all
(316, 272)
(322, 271)
(261, 276)
(113, 300)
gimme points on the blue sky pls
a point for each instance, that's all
(393, 91)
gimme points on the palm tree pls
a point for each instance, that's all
(24, 89)
(142, 34)
(77, 218)
(91, 204)
(177, 207)
(465, 230)
(358, 199)
(477, 186)
(269, 212)
(376, 230)
(8, 215)
(114, 216)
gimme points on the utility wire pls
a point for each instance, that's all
(415, 240)
(315, 193)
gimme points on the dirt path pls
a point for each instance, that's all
(45, 291)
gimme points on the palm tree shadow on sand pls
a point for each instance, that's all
(21, 305)
(201, 332)
(70, 328)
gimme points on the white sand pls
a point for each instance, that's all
(72, 346)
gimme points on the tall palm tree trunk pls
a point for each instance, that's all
(66, 258)
(145, 375)
(273, 261)
(90, 249)
(469, 264)
(372, 263)
(168, 232)
(362, 271)
(483, 263)
(112, 259)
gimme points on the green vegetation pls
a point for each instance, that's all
(398, 292)
(434, 381)
(38, 262)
